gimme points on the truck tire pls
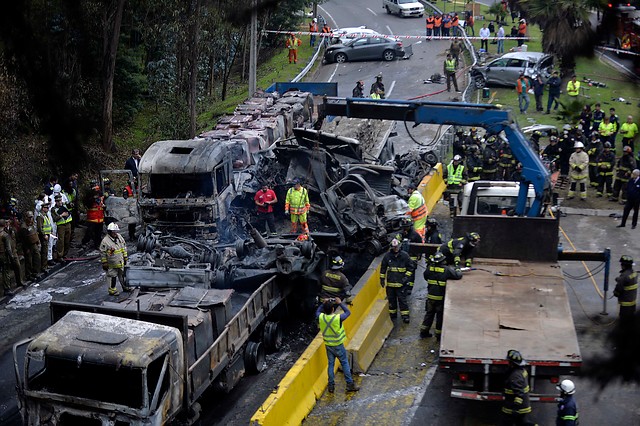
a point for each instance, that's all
(141, 243)
(254, 358)
(240, 249)
(374, 247)
(272, 336)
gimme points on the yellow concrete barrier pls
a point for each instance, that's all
(297, 392)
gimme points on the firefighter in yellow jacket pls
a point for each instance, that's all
(297, 204)
(113, 250)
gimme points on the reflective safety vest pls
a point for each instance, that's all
(430, 23)
(46, 224)
(573, 89)
(450, 65)
(436, 284)
(62, 220)
(438, 22)
(293, 44)
(332, 329)
(417, 206)
(375, 96)
(297, 202)
(95, 213)
(454, 176)
(606, 129)
(313, 27)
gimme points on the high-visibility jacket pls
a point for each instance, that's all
(332, 330)
(522, 85)
(375, 96)
(446, 23)
(57, 215)
(455, 174)
(579, 164)
(418, 209)
(455, 21)
(313, 27)
(626, 287)
(430, 23)
(516, 392)
(95, 213)
(629, 130)
(44, 225)
(606, 129)
(396, 268)
(437, 21)
(297, 201)
(437, 276)
(293, 43)
(522, 30)
(573, 88)
(450, 65)
(113, 251)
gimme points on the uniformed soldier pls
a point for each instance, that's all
(395, 273)
(335, 284)
(626, 289)
(113, 250)
(457, 249)
(10, 229)
(30, 246)
(436, 274)
(516, 407)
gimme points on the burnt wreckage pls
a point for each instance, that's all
(196, 198)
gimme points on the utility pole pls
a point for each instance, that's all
(253, 48)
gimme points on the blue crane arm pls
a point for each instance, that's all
(490, 117)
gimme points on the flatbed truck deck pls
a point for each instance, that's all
(502, 305)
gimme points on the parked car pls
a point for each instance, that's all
(404, 8)
(505, 70)
(344, 35)
(365, 48)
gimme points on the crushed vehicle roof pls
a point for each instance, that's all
(199, 155)
(105, 339)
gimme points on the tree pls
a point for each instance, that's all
(566, 28)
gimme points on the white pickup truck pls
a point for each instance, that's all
(404, 8)
(492, 198)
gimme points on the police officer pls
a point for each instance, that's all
(335, 284)
(432, 236)
(516, 407)
(395, 273)
(30, 246)
(567, 408)
(45, 228)
(114, 257)
(626, 289)
(457, 249)
(436, 274)
(62, 217)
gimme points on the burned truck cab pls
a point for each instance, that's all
(186, 185)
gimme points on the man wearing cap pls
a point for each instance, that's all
(264, 199)
(113, 256)
(334, 284)
(45, 228)
(554, 84)
(14, 260)
(313, 28)
(578, 171)
(30, 246)
(297, 204)
(455, 176)
(62, 217)
(573, 87)
(292, 44)
(417, 210)
(626, 163)
(395, 273)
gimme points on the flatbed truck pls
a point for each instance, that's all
(507, 304)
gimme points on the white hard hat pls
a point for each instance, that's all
(57, 188)
(315, 19)
(578, 145)
(457, 158)
(567, 386)
(113, 227)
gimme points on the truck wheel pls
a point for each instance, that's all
(141, 243)
(374, 247)
(240, 248)
(254, 358)
(272, 336)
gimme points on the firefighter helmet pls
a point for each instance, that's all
(567, 387)
(113, 227)
(303, 237)
(432, 222)
(395, 242)
(515, 357)
(473, 237)
(438, 257)
(625, 259)
(337, 263)
(607, 144)
(578, 145)
(537, 134)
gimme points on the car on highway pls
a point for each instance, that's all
(404, 8)
(505, 70)
(365, 48)
(343, 35)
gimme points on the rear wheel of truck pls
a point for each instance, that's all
(272, 336)
(254, 358)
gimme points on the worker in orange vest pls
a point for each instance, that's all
(522, 31)
(430, 23)
(326, 39)
(455, 23)
(313, 28)
(292, 44)
(437, 25)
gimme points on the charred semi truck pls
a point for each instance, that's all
(146, 360)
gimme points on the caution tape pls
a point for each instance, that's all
(624, 52)
(406, 37)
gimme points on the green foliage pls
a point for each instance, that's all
(570, 109)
